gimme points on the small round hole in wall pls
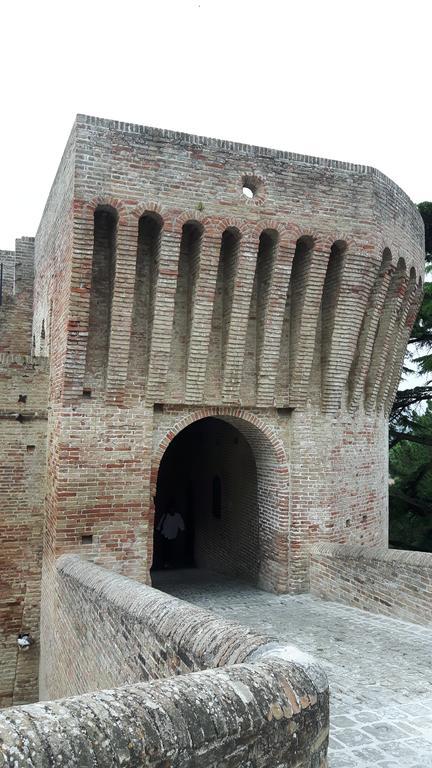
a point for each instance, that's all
(252, 188)
(248, 192)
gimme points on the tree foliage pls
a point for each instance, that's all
(411, 429)
(411, 492)
(426, 213)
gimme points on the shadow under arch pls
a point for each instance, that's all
(271, 496)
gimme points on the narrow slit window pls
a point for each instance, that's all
(217, 498)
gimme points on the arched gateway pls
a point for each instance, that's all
(226, 475)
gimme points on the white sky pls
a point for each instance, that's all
(347, 80)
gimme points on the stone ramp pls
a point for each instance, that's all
(379, 668)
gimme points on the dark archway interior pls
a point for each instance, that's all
(207, 483)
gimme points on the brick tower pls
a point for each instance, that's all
(216, 326)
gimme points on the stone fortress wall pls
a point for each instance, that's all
(165, 311)
(23, 429)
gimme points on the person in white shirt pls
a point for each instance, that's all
(170, 525)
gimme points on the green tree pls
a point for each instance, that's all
(426, 213)
(411, 492)
(411, 429)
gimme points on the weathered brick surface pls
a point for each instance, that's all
(22, 488)
(115, 631)
(385, 581)
(16, 308)
(260, 715)
(250, 701)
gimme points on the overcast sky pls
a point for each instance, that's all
(346, 80)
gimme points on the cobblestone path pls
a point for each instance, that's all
(380, 669)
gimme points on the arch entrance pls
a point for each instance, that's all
(221, 501)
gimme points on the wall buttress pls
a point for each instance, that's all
(202, 311)
(163, 315)
(233, 363)
(307, 283)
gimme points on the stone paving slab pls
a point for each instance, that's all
(380, 669)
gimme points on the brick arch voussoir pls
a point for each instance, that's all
(119, 206)
(178, 219)
(292, 233)
(217, 411)
(384, 244)
(260, 437)
(235, 413)
(264, 225)
(219, 225)
(150, 207)
(326, 241)
(410, 263)
(397, 252)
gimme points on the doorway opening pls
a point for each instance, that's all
(206, 504)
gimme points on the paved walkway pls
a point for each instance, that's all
(380, 669)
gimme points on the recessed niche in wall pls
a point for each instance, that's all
(87, 538)
(30, 448)
(87, 392)
(217, 497)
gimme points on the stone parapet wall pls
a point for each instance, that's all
(265, 714)
(385, 581)
(196, 689)
(111, 630)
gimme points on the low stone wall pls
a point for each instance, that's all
(385, 581)
(111, 631)
(196, 690)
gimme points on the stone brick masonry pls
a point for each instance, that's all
(23, 426)
(22, 488)
(258, 339)
(389, 582)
